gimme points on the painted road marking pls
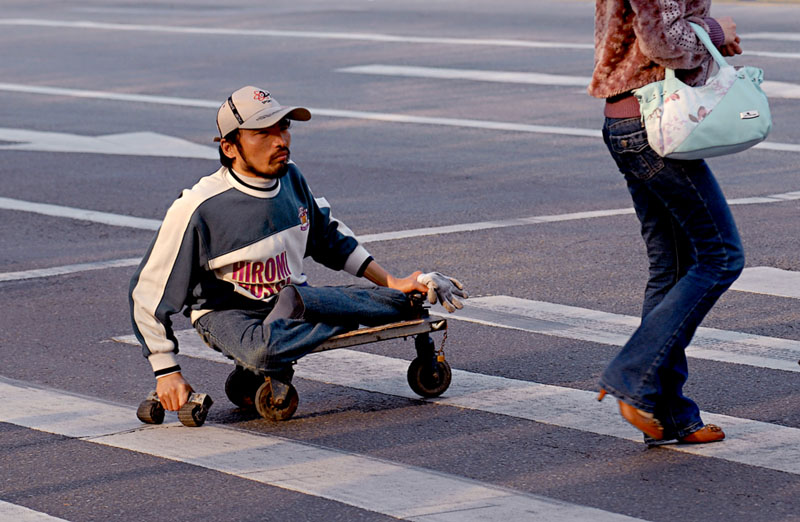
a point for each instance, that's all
(378, 485)
(783, 37)
(359, 115)
(106, 95)
(367, 37)
(775, 89)
(583, 324)
(17, 513)
(153, 224)
(68, 269)
(552, 218)
(104, 218)
(772, 88)
(769, 281)
(326, 35)
(469, 74)
(748, 442)
(129, 144)
(487, 225)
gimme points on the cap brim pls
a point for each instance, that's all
(269, 117)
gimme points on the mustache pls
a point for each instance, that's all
(283, 150)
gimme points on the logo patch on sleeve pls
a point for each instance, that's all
(303, 215)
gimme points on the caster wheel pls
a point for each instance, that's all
(241, 387)
(195, 411)
(429, 378)
(150, 412)
(274, 410)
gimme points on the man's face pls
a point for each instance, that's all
(262, 153)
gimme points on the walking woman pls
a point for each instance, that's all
(693, 246)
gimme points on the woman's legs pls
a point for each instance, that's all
(650, 370)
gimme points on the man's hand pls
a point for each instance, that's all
(443, 288)
(173, 391)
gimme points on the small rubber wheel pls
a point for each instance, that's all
(150, 412)
(429, 378)
(267, 408)
(192, 414)
(241, 387)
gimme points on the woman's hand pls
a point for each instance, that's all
(731, 43)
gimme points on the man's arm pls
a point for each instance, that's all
(160, 288)
(378, 275)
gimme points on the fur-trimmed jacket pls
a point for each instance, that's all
(635, 39)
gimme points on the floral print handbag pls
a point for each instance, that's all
(728, 114)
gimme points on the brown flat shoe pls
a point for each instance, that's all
(641, 420)
(708, 433)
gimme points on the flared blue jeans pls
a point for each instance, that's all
(695, 254)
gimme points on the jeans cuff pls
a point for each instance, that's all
(684, 432)
(635, 402)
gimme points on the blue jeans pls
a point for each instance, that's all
(695, 254)
(267, 343)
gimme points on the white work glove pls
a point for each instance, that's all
(444, 288)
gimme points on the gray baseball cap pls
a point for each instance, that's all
(254, 108)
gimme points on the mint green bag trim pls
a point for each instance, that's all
(728, 114)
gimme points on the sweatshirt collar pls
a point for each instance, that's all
(258, 187)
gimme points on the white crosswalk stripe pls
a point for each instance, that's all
(583, 324)
(9, 512)
(769, 281)
(749, 442)
(373, 484)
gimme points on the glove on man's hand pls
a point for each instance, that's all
(444, 288)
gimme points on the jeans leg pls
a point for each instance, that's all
(670, 257)
(650, 370)
(266, 348)
(268, 342)
(668, 250)
(354, 305)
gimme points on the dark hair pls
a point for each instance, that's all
(232, 137)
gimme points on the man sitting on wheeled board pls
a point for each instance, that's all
(229, 254)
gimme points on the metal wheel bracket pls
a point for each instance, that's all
(279, 392)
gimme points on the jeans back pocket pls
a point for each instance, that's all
(627, 141)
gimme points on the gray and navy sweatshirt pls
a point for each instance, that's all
(232, 242)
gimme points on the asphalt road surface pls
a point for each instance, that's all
(449, 135)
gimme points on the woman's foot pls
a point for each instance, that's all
(708, 433)
(642, 420)
(639, 419)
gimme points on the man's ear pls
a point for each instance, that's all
(228, 148)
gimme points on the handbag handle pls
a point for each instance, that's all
(706, 40)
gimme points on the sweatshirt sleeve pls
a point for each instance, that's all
(715, 32)
(161, 285)
(664, 35)
(332, 243)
